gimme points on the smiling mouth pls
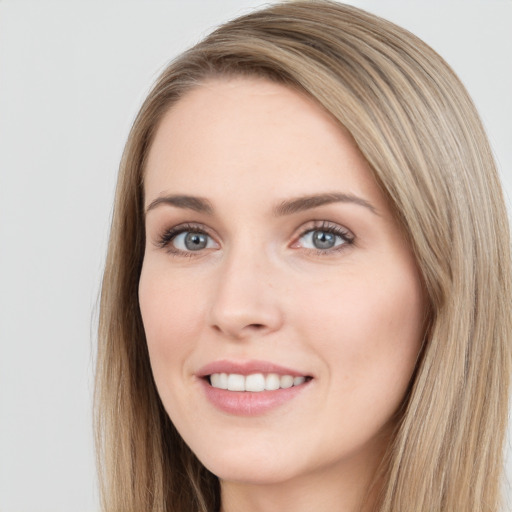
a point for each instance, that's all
(254, 382)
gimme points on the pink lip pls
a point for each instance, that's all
(246, 368)
(246, 403)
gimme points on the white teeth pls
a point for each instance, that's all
(236, 382)
(297, 381)
(254, 382)
(286, 381)
(223, 381)
(272, 382)
(219, 380)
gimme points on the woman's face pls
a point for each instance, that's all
(273, 260)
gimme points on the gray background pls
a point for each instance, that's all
(72, 75)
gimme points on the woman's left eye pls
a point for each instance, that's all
(325, 239)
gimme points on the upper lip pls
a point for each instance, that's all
(247, 368)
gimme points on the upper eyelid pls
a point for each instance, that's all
(319, 225)
(189, 226)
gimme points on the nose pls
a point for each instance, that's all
(246, 302)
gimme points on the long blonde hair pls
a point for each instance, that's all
(416, 125)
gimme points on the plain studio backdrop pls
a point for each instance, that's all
(72, 76)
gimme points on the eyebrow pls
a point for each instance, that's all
(197, 204)
(287, 207)
(307, 202)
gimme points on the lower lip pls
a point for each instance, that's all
(247, 403)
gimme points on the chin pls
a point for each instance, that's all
(251, 474)
(245, 466)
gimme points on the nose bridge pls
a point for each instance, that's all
(246, 299)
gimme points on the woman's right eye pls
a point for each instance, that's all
(186, 240)
(192, 241)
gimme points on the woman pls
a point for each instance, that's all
(306, 302)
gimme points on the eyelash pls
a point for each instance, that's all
(165, 240)
(334, 229)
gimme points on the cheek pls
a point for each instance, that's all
(369, 329)
(170, 314)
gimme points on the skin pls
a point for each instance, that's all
(349, 316)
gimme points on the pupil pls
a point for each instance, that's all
(195, 241)
(323, 240)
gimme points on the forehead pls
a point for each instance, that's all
(230, 134)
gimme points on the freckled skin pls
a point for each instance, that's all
(349, 316)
